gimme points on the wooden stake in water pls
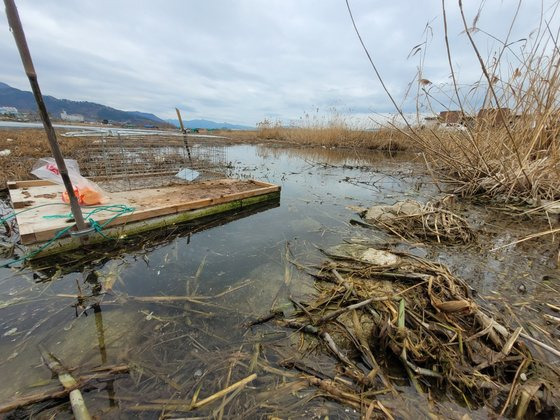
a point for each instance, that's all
(21, 42)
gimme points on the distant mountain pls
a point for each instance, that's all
(25, 102)
(209, 125)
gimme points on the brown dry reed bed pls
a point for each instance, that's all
(26, 146)
(507, 143)
(334, 132)
(413, 313)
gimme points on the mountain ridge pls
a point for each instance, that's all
(24, 101)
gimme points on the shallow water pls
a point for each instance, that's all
(235, 272)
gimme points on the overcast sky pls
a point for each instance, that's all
(245, 60)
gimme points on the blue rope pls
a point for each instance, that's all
(118, 209)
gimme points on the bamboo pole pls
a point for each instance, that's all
(21, 42)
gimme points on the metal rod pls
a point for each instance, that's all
(21, 42)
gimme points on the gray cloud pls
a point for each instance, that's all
(246, 60)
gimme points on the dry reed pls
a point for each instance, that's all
(506, 140)
(335, 131)
(434, 220)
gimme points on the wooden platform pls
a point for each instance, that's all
(153, 208)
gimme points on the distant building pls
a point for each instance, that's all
(71, 117)
(8, 110)
(495, 117)
(451, 117)
(455, 118)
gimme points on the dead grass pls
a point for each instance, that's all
(238, 136)
(26, 146)
(331, 134)
(377, 309)
(434, 220)
(509, 146)
(520, 165)
(334, 132)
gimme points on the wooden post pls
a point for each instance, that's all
(184, 131)
(21, 42)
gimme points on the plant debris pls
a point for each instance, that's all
(415, 316)
(412, 220)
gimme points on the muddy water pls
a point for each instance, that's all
(233, 271)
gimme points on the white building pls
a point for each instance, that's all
(71, 117)
(8, 110)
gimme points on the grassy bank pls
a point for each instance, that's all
(337, 135)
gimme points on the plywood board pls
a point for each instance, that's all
(40, 201)
(259, 202)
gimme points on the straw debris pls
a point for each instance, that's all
(414, 315)
(410, 219)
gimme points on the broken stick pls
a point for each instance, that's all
(68, 382)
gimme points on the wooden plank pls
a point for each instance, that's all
(225, 198)
(68, 243)
(34, 183)
(190, 205)
(39, 229)
(44, 234)
(23, 196)
(145, 215)
(265, 184)
(22, 204)
(19, 197)
(27, 235)
(186, 206)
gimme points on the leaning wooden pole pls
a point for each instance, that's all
(21, 42)
(184, 131)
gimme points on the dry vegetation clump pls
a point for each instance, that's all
(26, 146)
(434, 220)
(333, 132)
(506, 143)
(378, 312)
